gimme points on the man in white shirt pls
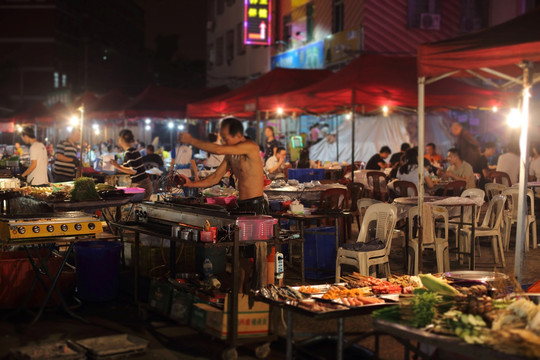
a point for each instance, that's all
(36, 174)
(181, 158)
(534, 167)
(214, 160)
(509, 162)
(276, 165)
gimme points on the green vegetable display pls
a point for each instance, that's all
(84, 189)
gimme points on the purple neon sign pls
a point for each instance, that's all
(257, 22)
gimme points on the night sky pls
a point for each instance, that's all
(187, 18)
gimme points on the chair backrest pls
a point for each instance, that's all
(494, 212)
(363, 204)
(356, 190)
(405, 188)
(360, 164)
(385, 216)
(499, 177)
(334, 199)
(512, 198)
(456, 187)
(348, 168)
(474, 193)
(438, 213)
(493, 189)
(377, 181)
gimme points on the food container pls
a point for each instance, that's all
(256, 227)
(297, 208)
(195, 235)
(185, 235)
(221, 200)
(206, 236)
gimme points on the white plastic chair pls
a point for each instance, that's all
(385, 217)
(471, 193)
(510, 217)
(491, 226)
(436, 243)
(493, 189)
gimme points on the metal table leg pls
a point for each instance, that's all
(54, 282)
(339, 354)
(289, 335)
(473, 243)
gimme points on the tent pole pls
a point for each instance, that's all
(523, 173)
(337, 136)
(353, 109)
(421, 125)
(259, 132)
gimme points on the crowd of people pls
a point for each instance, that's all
(233, 151)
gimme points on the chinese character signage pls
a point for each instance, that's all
(257, 20)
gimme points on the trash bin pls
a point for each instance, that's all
(98, 268)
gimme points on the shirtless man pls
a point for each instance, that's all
(241, 157)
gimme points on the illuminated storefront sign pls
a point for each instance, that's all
(257, 21)
(310, 56)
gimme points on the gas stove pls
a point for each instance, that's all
(187, 212)
(69, 223)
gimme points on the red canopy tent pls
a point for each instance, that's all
(374, 81)
(163, 102)
(242, 102)
(108, 106)
(510, 52)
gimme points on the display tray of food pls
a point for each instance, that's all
(82, 192)
(466, 318)
(341, 302)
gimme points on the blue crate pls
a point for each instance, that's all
(306, 175)
(320, 252)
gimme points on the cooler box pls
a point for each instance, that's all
(306, 175)
(320, 252)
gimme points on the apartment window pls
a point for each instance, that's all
(423, 14)
(219, 51)
(310, 22)
(287, 31)
(211, 56)
(229, 46)
(338, 16)
(240, 46)
(56, 80)
(475, 15)
(220, 7)
(64, 80)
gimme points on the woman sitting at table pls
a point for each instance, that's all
(304, 162)
(409, 171)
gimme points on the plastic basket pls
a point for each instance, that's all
(256, 227)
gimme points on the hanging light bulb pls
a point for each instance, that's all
(147, 127)
(279, 111)
(170, 124)
(74, 120)
(348, 116)
(495, 109)
(385, 110)
(514, 118)
(147, 121)
(181, 127)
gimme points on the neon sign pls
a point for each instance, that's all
(257, 21)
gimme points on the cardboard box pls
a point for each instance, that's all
(251, 321)
(198, 315)
(159, 297)
(181, 305)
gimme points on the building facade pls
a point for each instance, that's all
(330, 33)
(52, 47)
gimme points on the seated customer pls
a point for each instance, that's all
(304, 162)
(409, 171)
(509, 162)
(458, 170)
(276, 165)
(377, 161)
(152, 157)
(395, 158)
